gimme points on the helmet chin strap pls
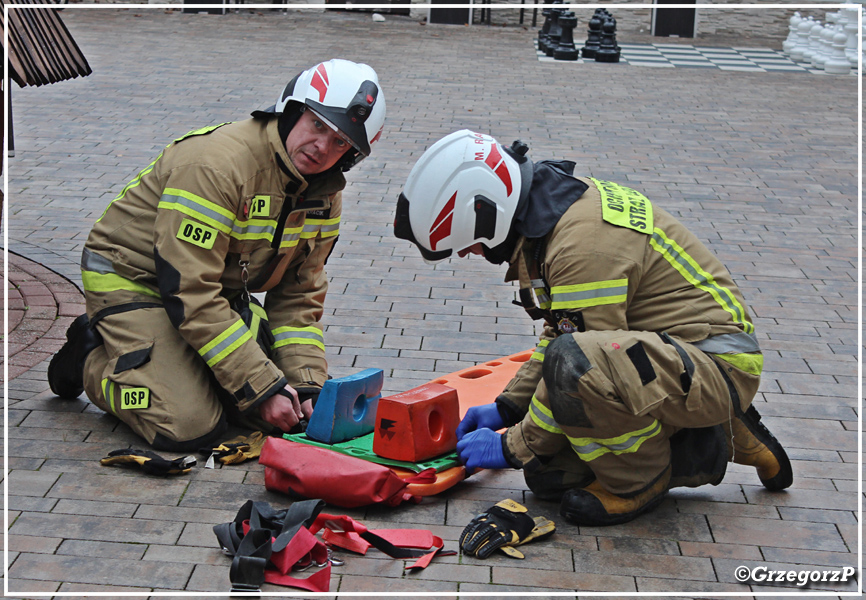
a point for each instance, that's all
(501, 253)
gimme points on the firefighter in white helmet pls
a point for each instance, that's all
(172, 341)
(644, 375)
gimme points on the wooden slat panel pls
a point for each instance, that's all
(41, 49)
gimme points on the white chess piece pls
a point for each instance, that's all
(837, 63)
(814, 37)
(851, 29)
(802, 39)
(791, 40)
(824, 47)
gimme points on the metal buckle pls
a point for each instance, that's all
(245, 587)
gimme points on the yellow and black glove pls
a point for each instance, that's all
(236, 450)
(149, 462)
(502, 527)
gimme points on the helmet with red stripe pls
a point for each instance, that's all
(346, 96)
(463, 190)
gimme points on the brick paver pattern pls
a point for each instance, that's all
(761, 166)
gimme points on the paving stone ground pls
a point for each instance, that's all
(763, 167)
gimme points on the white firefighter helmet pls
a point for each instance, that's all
(346, 96)
(463, 190)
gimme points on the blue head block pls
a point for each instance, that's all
(346, 407)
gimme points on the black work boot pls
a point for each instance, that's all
(751, 443)
(593, 505)
(66, 369)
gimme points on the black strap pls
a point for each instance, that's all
(252, 551)
(393, 551)
(688, 364)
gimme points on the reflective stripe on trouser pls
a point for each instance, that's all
(618, 396)
(143, 351)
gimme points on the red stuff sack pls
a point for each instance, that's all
(305, 471)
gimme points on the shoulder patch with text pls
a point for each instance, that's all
(135, 398)
(625, 207)
(260, 206)
(197, 234)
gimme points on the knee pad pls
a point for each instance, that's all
(564, 364)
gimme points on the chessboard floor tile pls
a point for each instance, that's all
(751, 60)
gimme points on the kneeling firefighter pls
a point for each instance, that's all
(172, 342)
(644, 375)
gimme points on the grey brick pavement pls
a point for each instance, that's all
(762, 167)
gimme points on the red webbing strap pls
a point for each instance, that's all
(350, 541)
(319, 581)
(345, 532)
(303, 543)
(425, 476)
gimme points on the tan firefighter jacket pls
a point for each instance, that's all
(615, 261)
(180, 233)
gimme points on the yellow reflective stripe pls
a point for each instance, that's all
(584, 295)
(591, 448)
(283, 336)
(325, 227)
(698, 277)
(750, 363)
(137, 179)
(254, 229)
(539, 351)
(109, 282)
(542, 298)
(258, 310)
(108, 394)
(225, 343)
(201, 130)
(134, 183)
(542, 416)
(291, 236)
(197, 207)
(255, 322)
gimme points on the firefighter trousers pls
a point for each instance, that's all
(150, 378)
(614, 399)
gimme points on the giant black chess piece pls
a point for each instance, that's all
(545, 28)
(555, 30)
(544, 31)
(608, 50)
(566, 50)
(593, 36)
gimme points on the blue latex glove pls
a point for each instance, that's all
(477, 417)
(482, 449)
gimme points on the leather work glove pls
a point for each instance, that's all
(502, 527)
(235, 450)
(479, 417)
(150, 462)
(482, 449)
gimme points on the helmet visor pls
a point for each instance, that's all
(336, 129)
(403, 230)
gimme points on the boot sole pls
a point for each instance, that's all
(64, 389)
(617, 519)
(785, 477)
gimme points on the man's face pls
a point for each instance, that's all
(313, 146)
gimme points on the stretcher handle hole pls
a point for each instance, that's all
(435, 426)
(475, 373)
(359, 409)
(441, 381)
(492, 364)
(520, 358)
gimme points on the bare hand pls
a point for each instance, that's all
(281, 411)
(307, 408)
